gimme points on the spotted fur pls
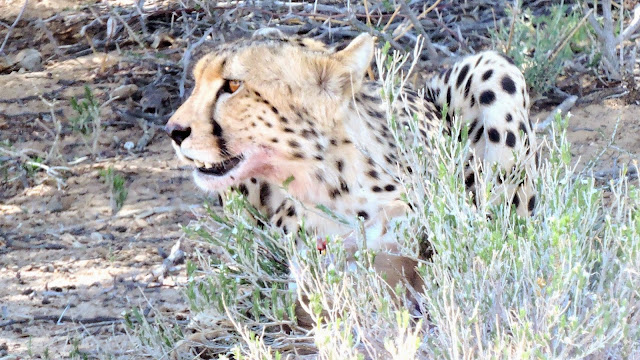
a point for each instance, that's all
(303, 111)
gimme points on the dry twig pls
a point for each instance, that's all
(6, 37)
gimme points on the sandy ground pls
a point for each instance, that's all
(69, 267)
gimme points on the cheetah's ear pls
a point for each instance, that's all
(357, 55)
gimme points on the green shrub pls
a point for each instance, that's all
(88, 111)
(537, 43)
(117, 188)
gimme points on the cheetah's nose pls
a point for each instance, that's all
(177, 132)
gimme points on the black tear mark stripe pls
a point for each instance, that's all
(217, 129)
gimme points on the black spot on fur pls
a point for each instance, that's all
(376, 188)
(294, 144)
(298, 155)
(339, 165)
(288, 130)
(375, 114)
(363, 214)
(373, 174)
(479, 134)
(390, 187)
(334, 193)
(478, 62)
(532, 203)
(318, 157)
(448, 96)
(274, 140)
(463, 73)
(508, 85)
(469, 180)
(283, 119)
(516, 200)
(291, 211)
(307, 133)
(473, 125)
(467, 87)
(487, 97)
(254, 180)
(275, 111)
(279, 222)
(265, 193)
(494, 135)
(473, 100)
(447, 75)
(522, 127)
(487, 74)
(511, 139)
(243, 190)
(343, 186)
(508, 118)
(333, 142)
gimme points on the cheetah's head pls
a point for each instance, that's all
(266, 107)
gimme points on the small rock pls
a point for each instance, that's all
(96, 236)
(6, 63)
(55, 204)
(129, 145)
(29, 59)
(46, 268)
(124, 91)
(67, 238)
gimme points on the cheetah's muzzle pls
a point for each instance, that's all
(222, 168)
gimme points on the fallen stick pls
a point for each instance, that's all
(563, 108)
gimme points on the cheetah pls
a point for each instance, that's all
(275, 109)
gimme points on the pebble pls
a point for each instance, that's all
(29, 59)
(124, 91)
(96, 236)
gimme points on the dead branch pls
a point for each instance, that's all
(59, 319)
(6, 37)
(433, 56)
(563, 108)
(186, 60)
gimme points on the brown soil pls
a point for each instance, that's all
(68, 266)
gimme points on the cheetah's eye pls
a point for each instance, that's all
(231, 86)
